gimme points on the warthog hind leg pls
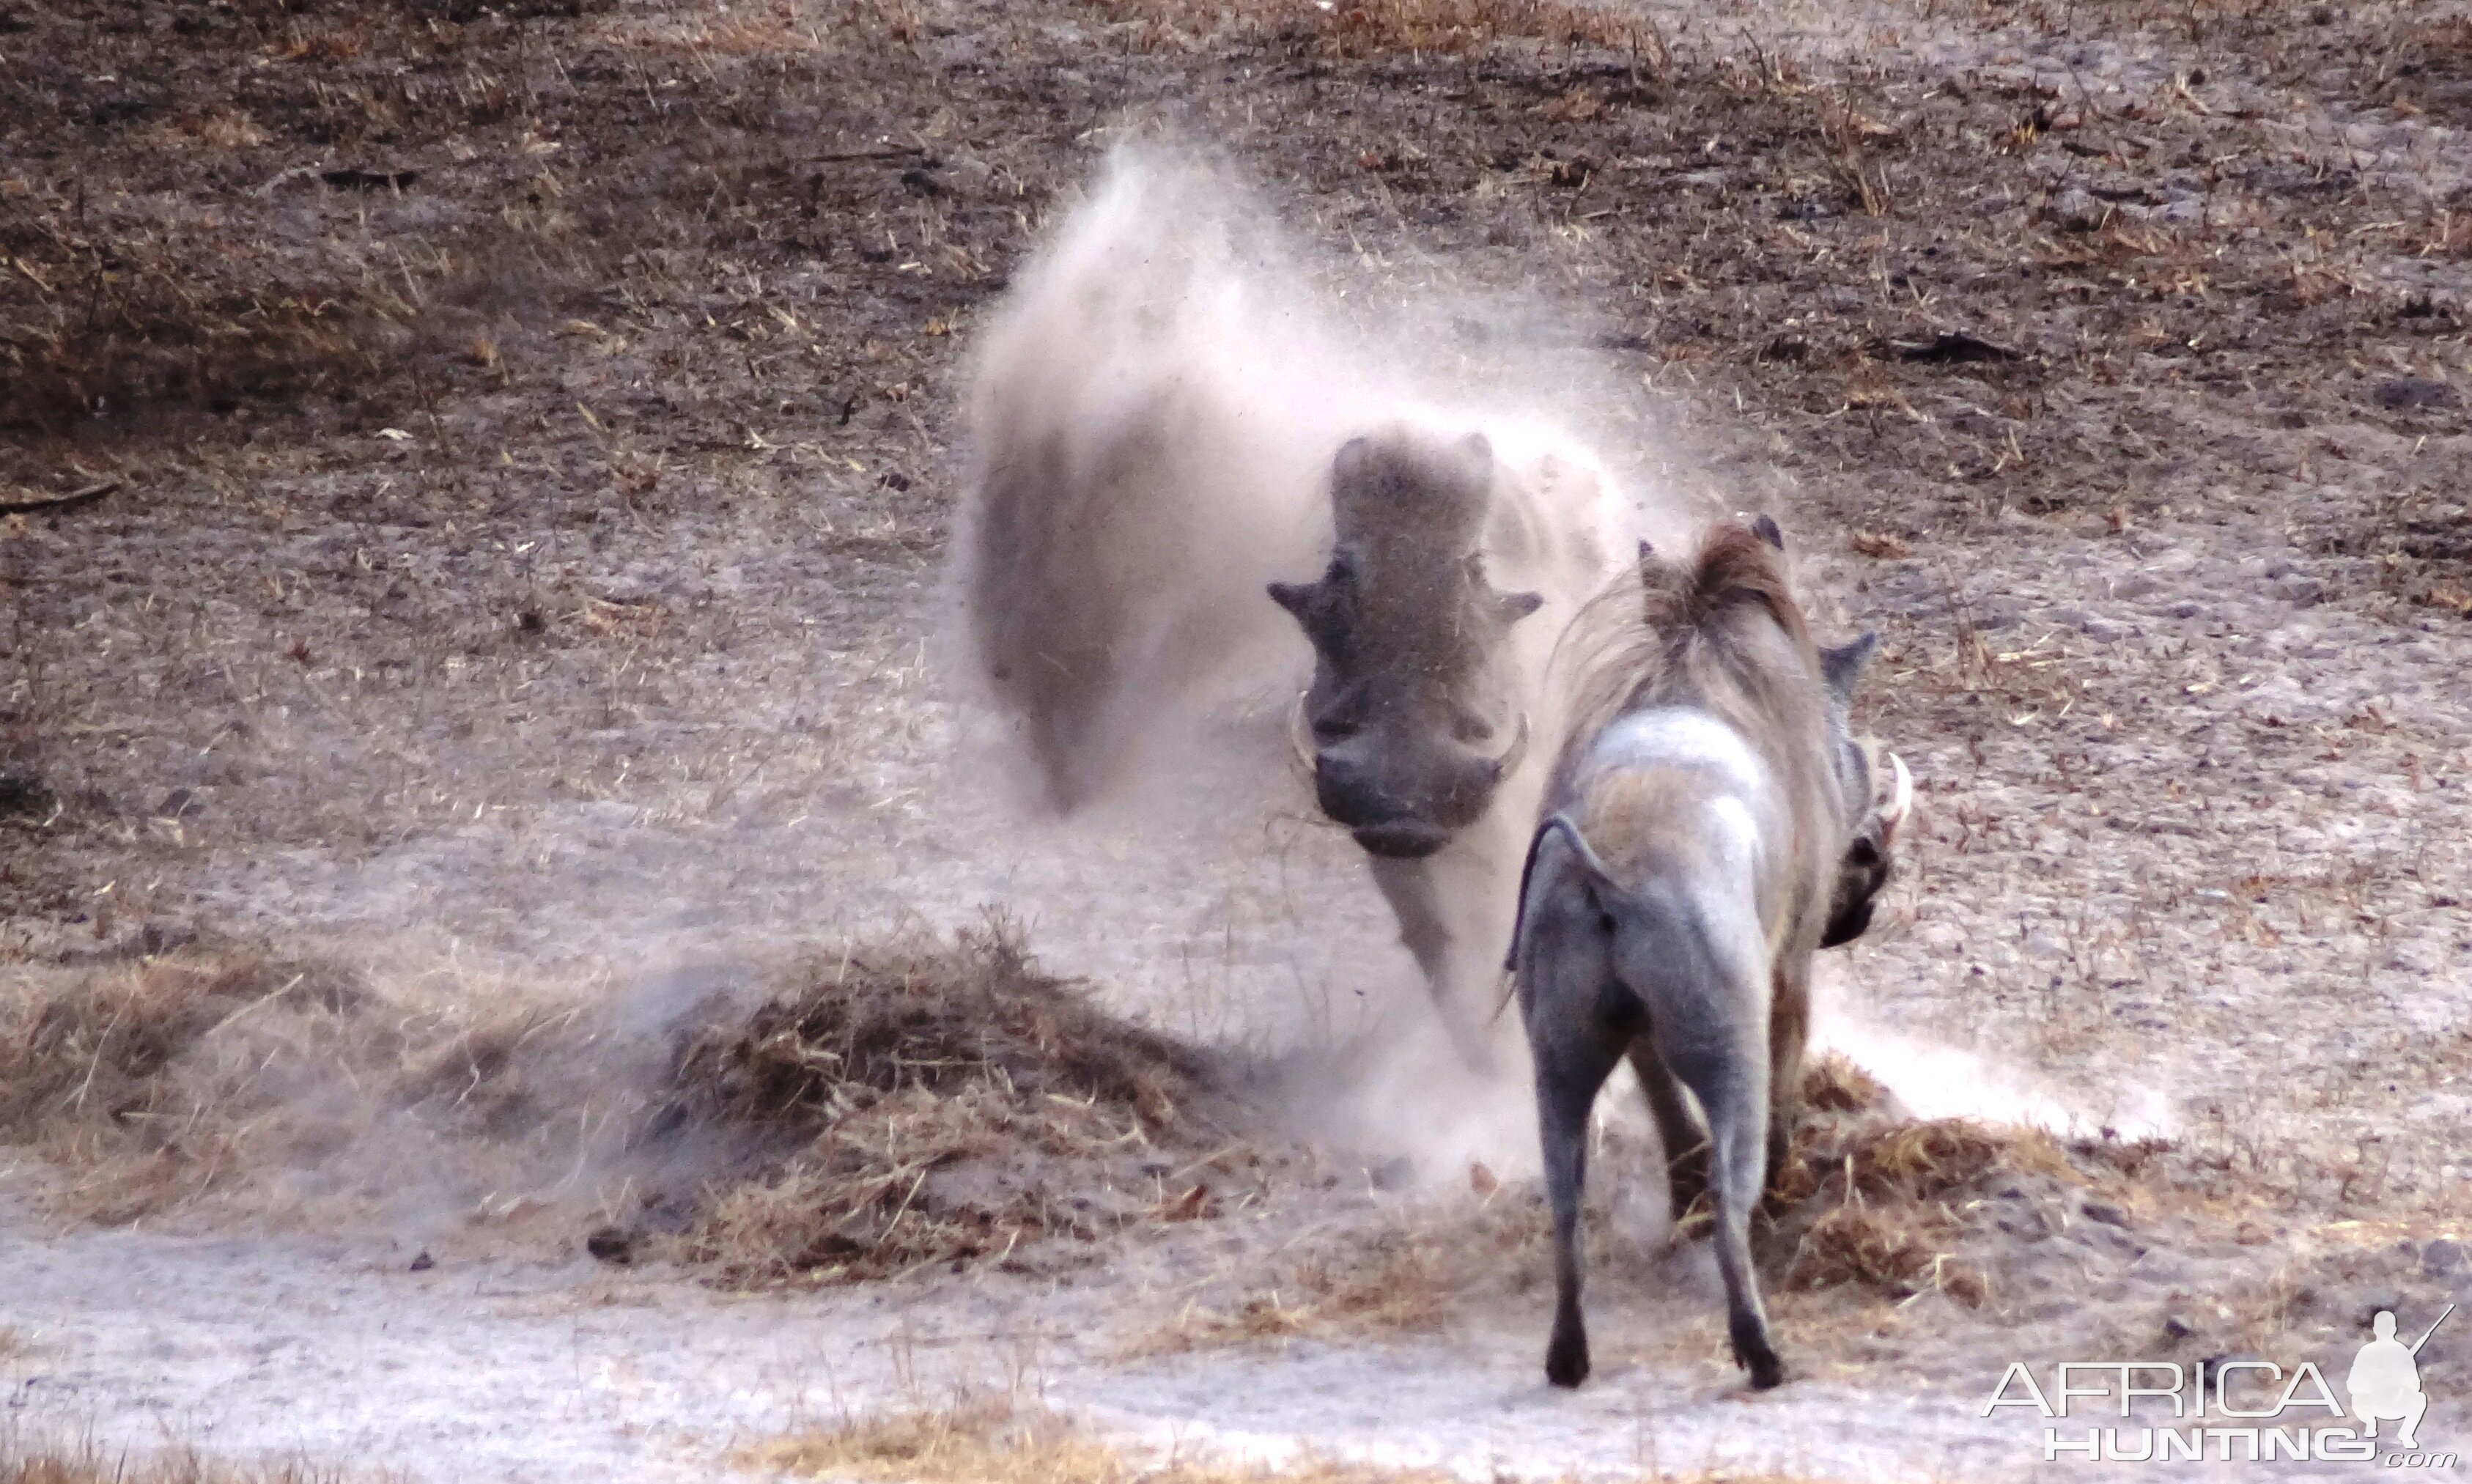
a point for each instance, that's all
(1731, 1086)
(1568, 1078)
(1677, 1127)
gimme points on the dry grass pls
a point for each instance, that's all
(127, 1079)
(1873, 1207)
(151, 1083)
(1378, 27)
(931, 1102)
(76, 341)
(896, 1104)
(1879, 1204)
(1368, 29)
(994, 1443)
(89, 1463)
(1391, 1285)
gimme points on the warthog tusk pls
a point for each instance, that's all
(1298, 739)
(1901, 797)
(1509, 763)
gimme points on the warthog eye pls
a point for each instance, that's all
(1469, 727)
(1330, 731)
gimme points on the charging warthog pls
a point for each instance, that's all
(1159, 428)
(1711, 824)
(1455, 567)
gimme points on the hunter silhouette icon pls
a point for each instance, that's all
(2384, 1382)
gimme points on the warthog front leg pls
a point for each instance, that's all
(1454, 912)
(1731, 1083)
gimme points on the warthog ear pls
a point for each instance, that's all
(1349, 466)
(1843, 666)
(1316, 605)
(1766, 526)
(1477, 450)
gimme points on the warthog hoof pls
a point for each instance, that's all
(1566, 1358)
(1756, 1357)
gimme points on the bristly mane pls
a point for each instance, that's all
(1721, 631)
(1735, 568)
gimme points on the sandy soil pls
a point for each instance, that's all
(520, 579)
(508, 1370)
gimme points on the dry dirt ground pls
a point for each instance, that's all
(495, 620)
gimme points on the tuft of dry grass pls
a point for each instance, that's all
(1401, 1285)
(1894, 1251)
(232, 129)
(89, 1463)
(992, 1442)
(926, 1101)
(120, 1078)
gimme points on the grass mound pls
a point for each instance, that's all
(890, 1105)
(924, 1101)
(224, 1068)
(100, 1054)
(1874, 1201)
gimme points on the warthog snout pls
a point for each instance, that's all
(1404, 798)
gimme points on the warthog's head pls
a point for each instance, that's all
(1415, 711)
(1878, 794)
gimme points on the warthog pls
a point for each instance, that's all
(1455, 566)
(1711, 823)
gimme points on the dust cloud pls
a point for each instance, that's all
(1935, 1081)
(1153, 418)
